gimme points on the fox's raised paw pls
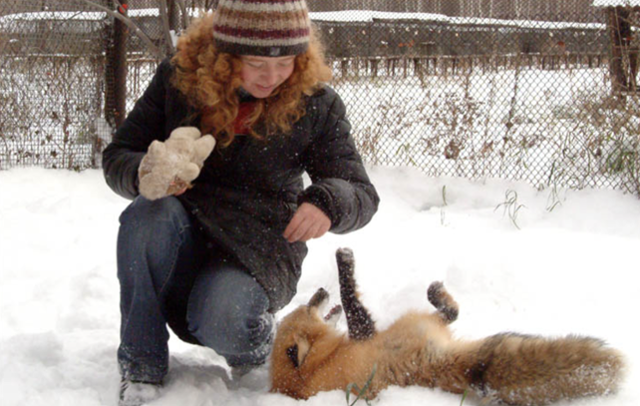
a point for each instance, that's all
(346, 262)
(442, 300)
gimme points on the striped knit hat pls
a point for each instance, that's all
(262, 27)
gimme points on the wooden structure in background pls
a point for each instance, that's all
(621, 19)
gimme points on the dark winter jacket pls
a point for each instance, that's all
(248, 192)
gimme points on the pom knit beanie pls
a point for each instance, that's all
(262, 27)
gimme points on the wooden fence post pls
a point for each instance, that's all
(116, 71)
(623, 64)
(615, 61)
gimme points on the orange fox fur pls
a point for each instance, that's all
(310, 355)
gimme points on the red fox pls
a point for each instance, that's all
(310, 355)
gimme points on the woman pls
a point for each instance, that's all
(215, 261)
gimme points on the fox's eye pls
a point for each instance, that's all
(292, 353)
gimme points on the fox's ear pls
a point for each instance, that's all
(298, 352)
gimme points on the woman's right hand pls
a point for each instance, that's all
(308, 222)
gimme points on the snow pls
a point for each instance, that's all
(616, 3)
(75, 15)
(369, 16)
(570, 266)
(359, 16)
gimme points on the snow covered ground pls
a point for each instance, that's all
(570, 266)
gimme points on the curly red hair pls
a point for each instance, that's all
(210, 79)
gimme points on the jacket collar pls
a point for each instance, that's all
(244, 96)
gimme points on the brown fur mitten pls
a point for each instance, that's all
(171, 166)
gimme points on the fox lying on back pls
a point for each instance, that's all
(310, 355)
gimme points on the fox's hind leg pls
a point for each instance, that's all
(360, 324)
(443, 302)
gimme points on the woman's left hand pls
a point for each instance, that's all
(308, 222)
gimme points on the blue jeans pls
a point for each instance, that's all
(167, 273)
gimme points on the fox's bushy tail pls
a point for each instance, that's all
(530, 370)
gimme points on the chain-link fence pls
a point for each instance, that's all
(542, 91)
(60, 66)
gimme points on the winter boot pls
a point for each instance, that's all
(134, 393)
